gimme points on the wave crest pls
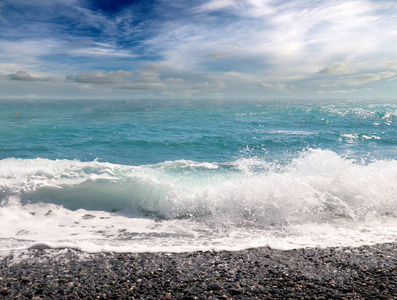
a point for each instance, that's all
(317, 186)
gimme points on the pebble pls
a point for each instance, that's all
(261, 273)
(4, 291)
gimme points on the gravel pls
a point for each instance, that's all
(367, 272)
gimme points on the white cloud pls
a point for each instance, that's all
(291, 38)
(260, 8)
(100, 51)
(277, 87)
(174, 80)
(8, 68)
(27, 52)
(254, 8)
(349, 91)
(216, 5)
(320, 31)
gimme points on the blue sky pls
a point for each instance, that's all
(208, 48)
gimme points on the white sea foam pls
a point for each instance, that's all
(359, 136)
(316, 199)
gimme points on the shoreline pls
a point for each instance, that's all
(366, 272)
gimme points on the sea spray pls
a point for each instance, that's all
(204, 205)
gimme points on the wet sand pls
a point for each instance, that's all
(368, 272)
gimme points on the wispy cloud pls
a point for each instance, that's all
(197, 47)
(296, 36)
(351, 91)
(216, 5)
(253, 8)
(95, 51)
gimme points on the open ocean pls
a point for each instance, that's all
(175, 175)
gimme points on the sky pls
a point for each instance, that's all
(201, 48)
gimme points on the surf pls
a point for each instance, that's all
(185, 204)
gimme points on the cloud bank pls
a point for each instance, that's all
(100, 77)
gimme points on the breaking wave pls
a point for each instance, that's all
(317, 186)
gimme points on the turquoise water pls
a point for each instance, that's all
(168, 175)
(153, 131)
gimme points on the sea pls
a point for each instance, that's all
(163, 175)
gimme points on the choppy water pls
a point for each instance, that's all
(155, 175)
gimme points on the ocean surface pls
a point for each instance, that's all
(185, 175)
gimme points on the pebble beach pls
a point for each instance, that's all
(367, 272)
